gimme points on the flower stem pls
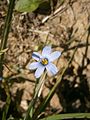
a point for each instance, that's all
(37, 92)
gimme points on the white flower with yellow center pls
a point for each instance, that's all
(44, 61)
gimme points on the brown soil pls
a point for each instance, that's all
(64, 30)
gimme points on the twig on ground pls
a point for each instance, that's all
(61, 8)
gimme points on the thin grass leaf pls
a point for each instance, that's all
(37, 92)
(2, 50)
(68, 116)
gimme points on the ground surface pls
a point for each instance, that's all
(67, 26)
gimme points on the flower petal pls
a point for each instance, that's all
(46, 50)
(33, 65)
(53, 56)
(39, 71)
(36, 56)
(52, 68)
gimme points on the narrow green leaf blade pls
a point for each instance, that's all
(68, 116)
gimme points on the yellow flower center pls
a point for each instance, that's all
(44, 61)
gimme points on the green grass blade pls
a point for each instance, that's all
(31, 107)
(68, 116)
(6, 33)
(6, 108)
